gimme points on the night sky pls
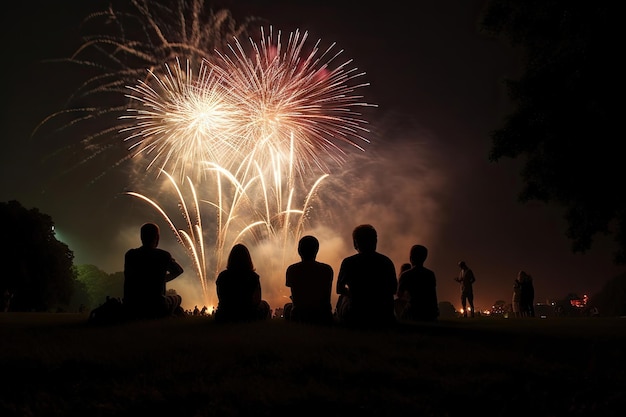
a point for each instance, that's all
(424, 179)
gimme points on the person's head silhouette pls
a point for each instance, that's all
(239, 258)
(308, 248)
(365, 238)
(150, 235)
(418, 254)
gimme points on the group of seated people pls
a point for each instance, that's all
(370, 293)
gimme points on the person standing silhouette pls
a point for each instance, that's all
(311, 285)
(147, 269)
(466, 279)
(527, 294)
(366, 283)
(239, 289)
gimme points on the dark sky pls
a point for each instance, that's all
(426, 178)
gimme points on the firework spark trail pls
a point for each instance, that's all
(229, 208)
(253, 201)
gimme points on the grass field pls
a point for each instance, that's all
(57, 365)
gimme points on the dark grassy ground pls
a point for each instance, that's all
(57, 365)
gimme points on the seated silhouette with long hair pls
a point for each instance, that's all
(239, 289)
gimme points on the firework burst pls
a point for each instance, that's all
(286, 95)
(278, 103)
(182, 121)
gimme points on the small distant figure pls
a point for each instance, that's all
(515, 302)
(196, 311)
(366, 283)
(203, 311)
(527, 294)
(419, 285)
(311, 284)
(147, 269)
(466, 279)
(239, 290)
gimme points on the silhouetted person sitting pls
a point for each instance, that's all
(147, 269)
(239, 290)
(419, 286)
(311, 285)
(366, 283)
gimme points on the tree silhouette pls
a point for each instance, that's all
(565, 116)
(37, 268)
